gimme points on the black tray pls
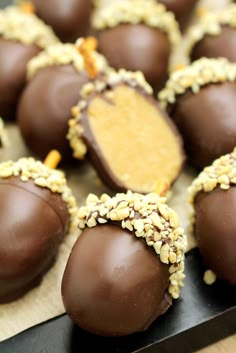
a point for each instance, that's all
(203, 315)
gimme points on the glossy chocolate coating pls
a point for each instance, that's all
(69, 19)
(215, 229)
(181, 8)
(45, 108)
(137, 47)
(114, 284)
(14, 57)
(222, 45)
(207, 122)
(33, 224)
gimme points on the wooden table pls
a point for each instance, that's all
(227, 345)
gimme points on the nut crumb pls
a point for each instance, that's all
(209, 277)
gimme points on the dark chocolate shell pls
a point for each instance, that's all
(34, 221)
(181, 8)
(137, 35)
(55, 79)
(45, 108)
(14, 57)
(18, 44)
(213, 194)
(214, 35)
(115, 284)
(215, 231)
(201, 100)
(70, 19)
(137, 47)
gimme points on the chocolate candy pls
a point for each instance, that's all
(70, 19)
(35, 209)
(137, 35)
(120, 125)
(201, 101)
(55, 79)
(214, 35)
(22, 36)
(115, 284)
(181, 8)
(213, 194)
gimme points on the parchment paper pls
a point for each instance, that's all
(44, 302)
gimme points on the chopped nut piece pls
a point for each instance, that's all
(172, 257)
(122, 213)
(91, 199)
(138, 225)
(164, 254)
(91, 222)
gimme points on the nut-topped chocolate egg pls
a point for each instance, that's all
(22, 36)
(55, 78)
(137, 35)
(213, 195)
(36, 210)
(214, 35)
(201, 100)
(70, 19)
(126, 266)
(131, 142)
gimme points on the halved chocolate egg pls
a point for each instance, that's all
(131, 142)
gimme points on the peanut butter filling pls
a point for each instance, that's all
(137, 143)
